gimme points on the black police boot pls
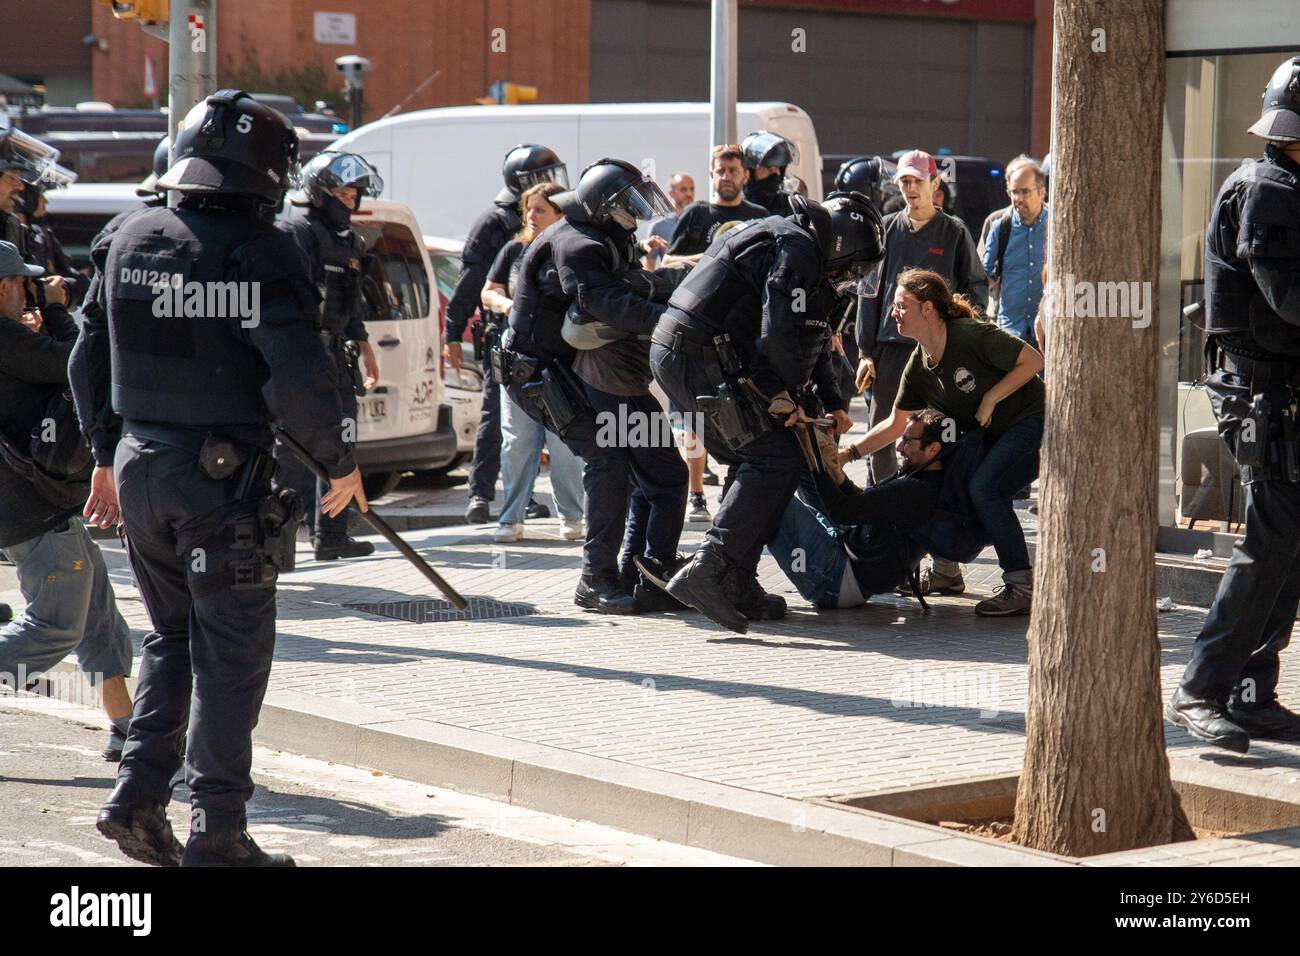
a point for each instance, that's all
(752, 601)
(605, 595)
(331, 548)
(141, 831)
(478, 511)
(6, 614)
(536, 510)
(652, 580)
(1207, 720)
(703, 584)
(230, 848)
(1269, 721)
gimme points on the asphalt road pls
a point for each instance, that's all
(53, 779)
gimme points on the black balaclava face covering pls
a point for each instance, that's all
(766, 189)
(334, 214)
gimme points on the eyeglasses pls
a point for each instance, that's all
(1022, 193)
(905, 439)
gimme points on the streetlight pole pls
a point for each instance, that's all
(191, 59)
(722, 88)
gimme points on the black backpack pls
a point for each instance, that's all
(56, 462)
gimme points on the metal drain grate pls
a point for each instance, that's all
(432, 610)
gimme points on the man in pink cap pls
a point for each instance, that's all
(924, 237)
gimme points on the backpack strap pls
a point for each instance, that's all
(1003, 229)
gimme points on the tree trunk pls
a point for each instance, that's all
(1096, 776)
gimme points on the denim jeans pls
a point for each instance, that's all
(521, 448)
(70, 606)
(1009, 464)
(807, 547)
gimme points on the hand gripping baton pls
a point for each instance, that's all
(376, 522)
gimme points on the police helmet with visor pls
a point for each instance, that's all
(763, 148)
(230, 144)
(25, 156)
(616, 193)
(1280, 118)
(528, 164)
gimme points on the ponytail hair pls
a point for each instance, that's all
(928, 286)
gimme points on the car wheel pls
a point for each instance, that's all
(461, 459)
(379, 483)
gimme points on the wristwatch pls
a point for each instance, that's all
(854, 453)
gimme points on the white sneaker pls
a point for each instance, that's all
(509, 532)
(571, 529)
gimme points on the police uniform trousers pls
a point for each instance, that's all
(1249, 624)
(205, 664)
(638, 485)
(291, 473)
(486, 464)
(765, 472)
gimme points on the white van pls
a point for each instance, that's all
(446, 163)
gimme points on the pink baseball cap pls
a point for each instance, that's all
(917, 163)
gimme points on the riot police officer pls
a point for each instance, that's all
(320, 221)
(1228, 693)
(24, 163)
(766, 157)
(866, 175)
(524, 166)
(583, 312)
(742, 338)
(44, 248)
(197, 378)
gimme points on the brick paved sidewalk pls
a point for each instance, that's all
(817, 705)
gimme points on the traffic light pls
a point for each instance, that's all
(503, 93)
(144, 11)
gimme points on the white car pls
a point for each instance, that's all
(464, 389)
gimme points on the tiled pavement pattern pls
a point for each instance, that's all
(827, 704)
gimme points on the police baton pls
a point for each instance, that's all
(376, 522)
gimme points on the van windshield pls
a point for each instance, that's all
(396, 284)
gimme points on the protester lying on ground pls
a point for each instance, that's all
(869, 541)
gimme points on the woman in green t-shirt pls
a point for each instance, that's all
(980, 377)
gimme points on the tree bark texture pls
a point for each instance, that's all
(1096, 775)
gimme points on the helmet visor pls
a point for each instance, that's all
(349, 169)
(641, 200)
(556, 173)
(769, 149)
(24, 156)
(56, 177)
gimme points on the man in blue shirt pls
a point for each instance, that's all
(1016, 249)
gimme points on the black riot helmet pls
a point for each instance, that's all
(614, 193)
(328, 170)
(1280, 119)
(161, 159)
(849, 231)
(762, 148)
(25, 156)
(528, 164)
(866, 175)
(230, 144)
